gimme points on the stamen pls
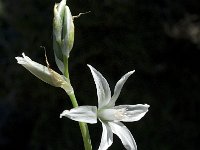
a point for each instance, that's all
(113, 114)
(120, 113)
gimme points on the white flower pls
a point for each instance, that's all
(45, 74)
(109, 114)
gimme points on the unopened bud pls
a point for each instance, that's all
(45, 74)
(59, 11)
(68, 32)
(63, 34)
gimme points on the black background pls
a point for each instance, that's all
(160, 39)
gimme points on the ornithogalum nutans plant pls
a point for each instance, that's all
(109, 115)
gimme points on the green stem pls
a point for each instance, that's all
(66, 72)
(83, 126)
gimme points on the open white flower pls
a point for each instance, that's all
(109, 114)
(45, 74)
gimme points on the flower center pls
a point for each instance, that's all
(112, 114)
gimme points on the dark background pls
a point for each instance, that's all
(160, 39)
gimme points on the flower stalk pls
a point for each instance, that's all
(83, 126)
(63, 39)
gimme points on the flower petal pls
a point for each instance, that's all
(124, 134)
(45, 74)
(58, 56)
(118, 88)
(86, 114)
(107, 137)
(103, 89)
(131, 113)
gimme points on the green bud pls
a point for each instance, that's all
(57, 34)
(68, 32)
(63, 34)
(59, 10)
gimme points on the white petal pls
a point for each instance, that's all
(61, 6)
(131, 113)
(103, 89)
(118, 88)
(44, 73)
(124, 134)
(86, 114)
(107, 137)
(58, 58)
(68, 32)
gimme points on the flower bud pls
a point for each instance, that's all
(63, 34)
(68, 32)
(45, 74)
(59, 10)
